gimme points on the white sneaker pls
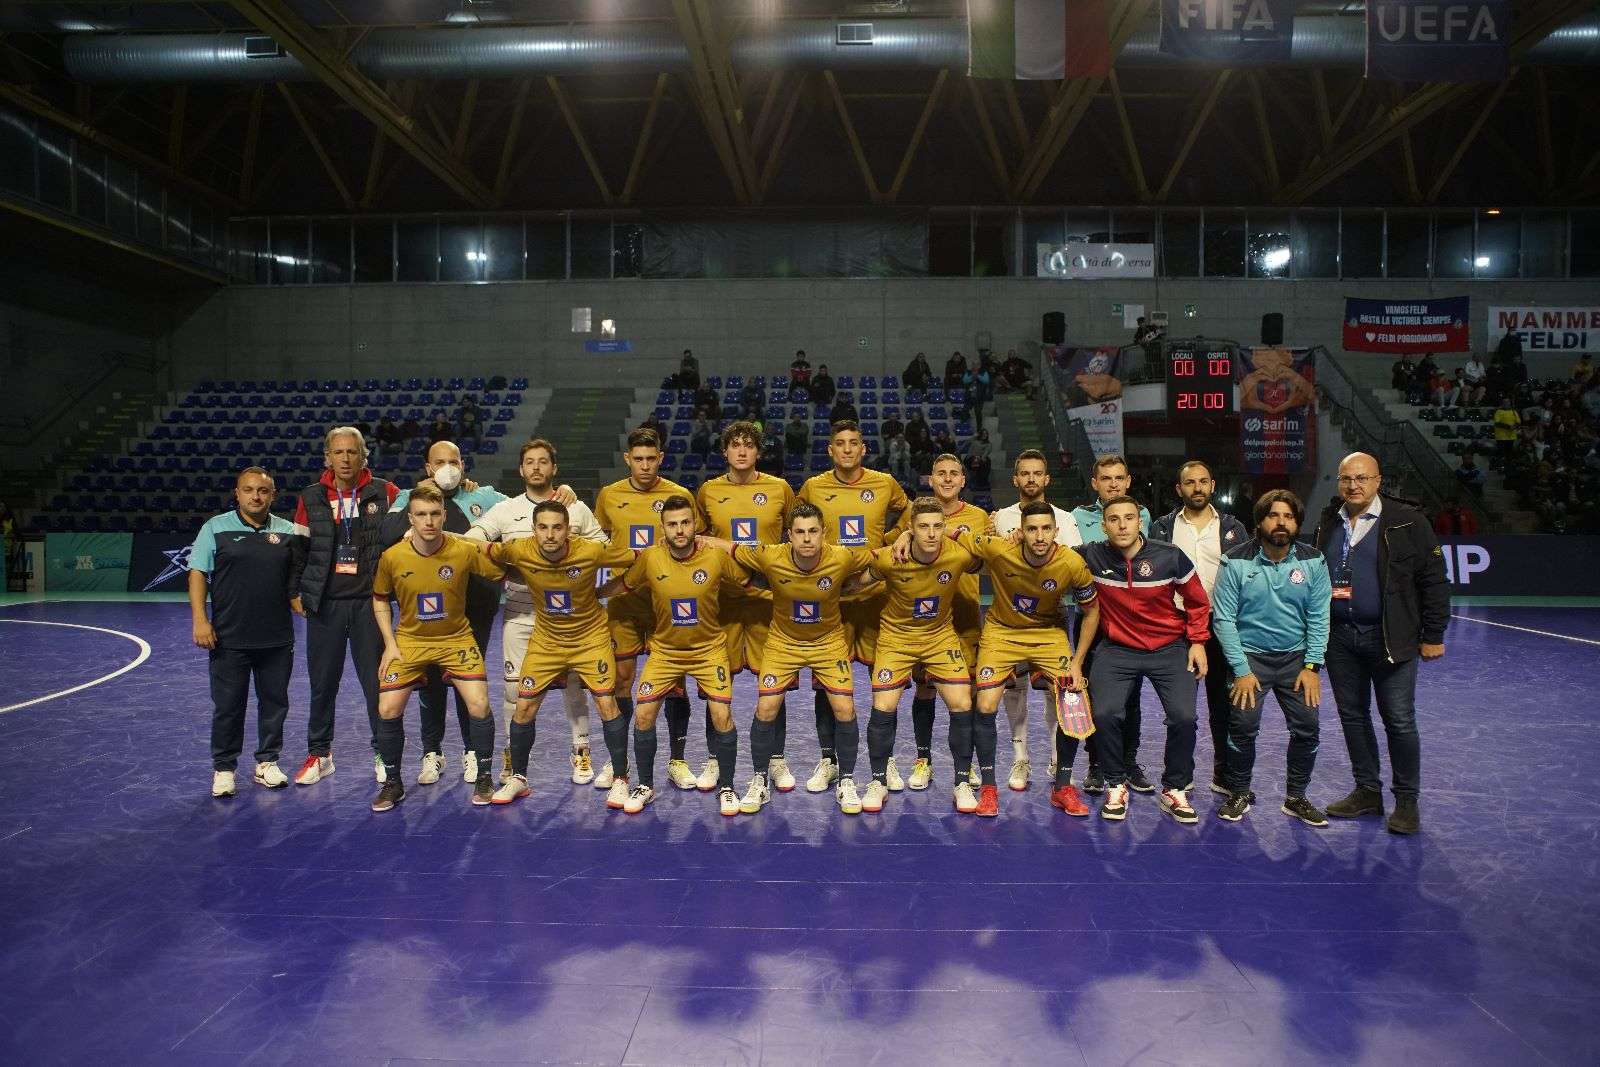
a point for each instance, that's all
(605, 778)
(222, 783)
(639, 797)
(680, 775)
(582, 767)
(617, 798)
(512, 787)
(756, 795)
(314, 770)
(873, 798)
(966, 800)
(1175, 802)
(921, 775)
(379, 772)
(825, 775)
(432, 767)
(1020, 771)
(1050, 768)
(728, 801)
(892, 777)
(269, 775)
(779, 774)
(845, 794)
(469, 766)
(708, 776)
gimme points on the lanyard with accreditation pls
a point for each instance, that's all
(345, 559)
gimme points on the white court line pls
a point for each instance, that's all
(144, 654)
(1503, 626)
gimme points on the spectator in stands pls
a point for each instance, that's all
(892, 427)
(1506, 422)
(752, 398)
(688, 376)
(706, 399)
(843, 411)
(439, 429)
(1143, 331)
(1427, 367)
(797, 435)
(1014, 374)
(897, 455)
(700, 436)
(1401, 374)
(390, 436)
(365, 427)
(652, 423)
(410, 430)
(1475, 379)
(771, 459)
(917, 375)
(1469, 474)
(822, 387)
(799, 371)
(1583, 370)
(944, 443)
(917, 431)
(1509, 349)
(954, 368)
(469, 423)
(980, 460)
(1455, 520)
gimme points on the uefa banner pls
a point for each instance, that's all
(1429, 41)
(160, 563)
(87, 562)
(1102, 424)
(1544, 329)
(1228, 31)
(1277, 409)
(1409, 327)
(1522, 565)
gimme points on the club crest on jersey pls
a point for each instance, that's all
(824, 582)
(944, 577)
(1027, 605)
(806, 611)
(372, 507)
(769, 680)
(1144, 569)
(447, 572)
(700, 577)
(1049, 585)
(925, 607)
(744, 531)
(1297, 576)
(868, 496)
(573, 572)
(656, 506)
(852, 529)
(430, 606)
(273, 538)
(885, 674)
(685, 611)
(558, 602)
(759, 499)
(641, 536)
(1228, 536)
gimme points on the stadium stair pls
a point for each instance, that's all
(1021, 424)
(105, 429)
(585, 425)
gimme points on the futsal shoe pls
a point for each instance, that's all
(582, 767)
(222, 783)
(483, 790)
(1406, 818)
(639, 797)
(1021, 769)
(269, 775)
(974, 776)
(505, 761)
(313, 770)
(604, 778)
(1175, 802)
(1115, 805)
(727, 802)
(432, 765)
(680, 775)
(779, 774)
(921, 775)
(1094, 783)
(1360, 802)
(1139, 783)
(845, 794)
(1308, 813)
(391, 794)
(512, 787)
(617, 798)
(873, 798)
(825, 775)
(755, 795)
(988, 802)
(1238, 804)
(708, 776)
(892, 779)
(380, 773)
(469, 766)
(966, 800)
(1068, 799)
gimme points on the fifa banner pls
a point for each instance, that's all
(1545, 329)
(1277, 409)
(1102, 424)
(160, 563)
(1433, 41)
(85, 562)
(1409, 327)
(1077, 259)
(1522, 565)
(1228, 31)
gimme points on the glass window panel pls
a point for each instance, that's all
(291, 254)
(55, 167)
(199, 231)
(460, 250)
(121, 196)
(1498, 252)
(1133, 226)
(177, 223)
(16, 153)
(1316, 244)
(148, 213)
(1180, 244)
(91, 167)
(1269, 253)
(502, 247)
(1039, 229)
(374, 243)
(330, 251)
(1225, 244)
(1452, 245)
(950, 247)
(418, 255)
(1361, 244)
(252, 258)
(546, 249)
(1544, 244)
(1089, 224)
(991, 246)
(1586, 244)
(591, 249)
(627, 252)
(1409, 252)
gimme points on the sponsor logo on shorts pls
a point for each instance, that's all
(1297, 576)
(430, 606)
(824, 582)
(744, 531)
(759, 499)
(392, 676)
(1049, 585)
(447, 572)
(925, 607)
(510, 667)
(700, 577)
(685, 611)
(852, 529)
(987, 672)
(944, 577)
(641, 536)
(769, 680)
(1144, 569)
(1027, 605)
(527, 682)
(807, 611)
(868, 496)
(573, 572)
(885, 674)
(646, 687)
(558, 602)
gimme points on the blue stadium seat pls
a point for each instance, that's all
(205, 385)
(796, 479)
(690, 481)
(519, 383)
(412, 384)
(680, 428)
(434, 384)
(716, 462)
(819, 446)
(187, 503)
(715, 381)
(820, 427)
(677, 446)
(683, 411)
(225, 386)
(513, 399)
(693, 462)
(820, 464)
(869, 412)
(329, 385)
(735, 382)
(793, 462)
(497, 430)
(669, 462)
(391, 385)
(844, 381)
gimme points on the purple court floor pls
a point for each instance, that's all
(143, 921)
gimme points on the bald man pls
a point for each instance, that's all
(1390, 608)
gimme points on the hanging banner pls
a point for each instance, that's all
(1102, 424)
(1038, 39)
(160, 563)
(88, 561)
(1431, 41)
(1089, 374)
(1077, 259)
(1545, 329)
(1413, 327)
(1277, 409)
(1228, 31)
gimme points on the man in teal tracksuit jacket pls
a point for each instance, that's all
(1270, 614)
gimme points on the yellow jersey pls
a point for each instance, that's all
(566, 606)
(855, 514)
(805, 604)
(754, 513)
(968, 519)
(685, 595)
(632, 516)
(431, 590)
(921, 596)
(1028, 597)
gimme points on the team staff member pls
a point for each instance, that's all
(806, 577)
(558, 573)
(629, 511)
(342, 515)
(465, 503)
(858, 507)
(1391, 604)
(246, 555)
(1144, 633)
(1110, 479)
(917, 634)
(511, 520)
(426, 574)
(686, 583)
(1030, 473)
(1270, 615)
(747, 507)
(948, 479)
(1206, 535)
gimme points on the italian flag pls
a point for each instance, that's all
(1039, 40)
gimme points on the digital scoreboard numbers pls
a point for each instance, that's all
(1199, 382)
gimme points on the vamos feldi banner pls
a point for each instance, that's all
(1406, 326)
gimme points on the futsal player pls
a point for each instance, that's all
(806, 577)
(426, 574)
(686, 583)
(572, 636)
(857, 506)
(747, 507)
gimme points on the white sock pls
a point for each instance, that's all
(1016, 702)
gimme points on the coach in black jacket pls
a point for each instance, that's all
(1391, 604)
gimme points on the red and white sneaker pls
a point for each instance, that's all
(313, 770)
(512, 787)
(1175, 802)
(988, 801)
(1069, 800)
(617, 797)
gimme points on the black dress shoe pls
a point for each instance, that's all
(1360, 802)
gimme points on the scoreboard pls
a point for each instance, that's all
(1199, 381)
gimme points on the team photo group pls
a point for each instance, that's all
(656, 594)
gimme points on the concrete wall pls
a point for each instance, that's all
(745, 325)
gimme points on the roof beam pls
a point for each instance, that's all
(589, 158)
(316, 146)
(469, 103)
(180, 102)
(1269, 154)
(916, 135)
(1207, 103)
(850, 133)
(632, 181)
(716, 95)
(1465, 141)
(325, 59)
(780, 138)
(502, 174)
(1129, 143)
(991, 144)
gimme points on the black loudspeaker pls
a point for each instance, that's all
(1054, 329)
(1272, 328)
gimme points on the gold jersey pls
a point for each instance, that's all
(921, 596)
(631, 516)
(755, 513)
(969, 603)
(805, 604)
(855, 514)
(1028, 596)
(566, 608)
(431, 590)
(686, 596)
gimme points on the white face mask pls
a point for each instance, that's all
(447, 476)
